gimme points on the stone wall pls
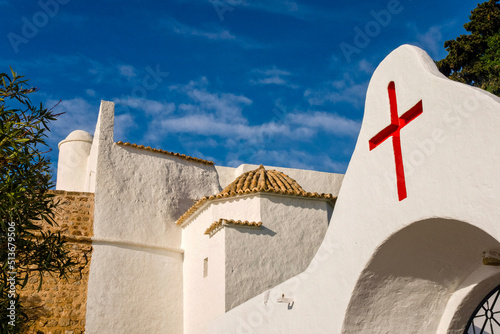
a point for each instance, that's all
(59, 307)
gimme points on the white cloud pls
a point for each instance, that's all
(217, 119)
(226, 106)
(330, 123)
(77, 114)
(276, 80)
(291, 158)
(274, 72)
(431, 40)
(200, 111)
(344, 90)
(90, 92)
(150, 107)
(91, 70)
(214, 114)
(212, 33)
(208, 125)
(127, 71)
(272, 76)
(184, 29)
(297, 125)
(366, 66)
(220, 114)
(123, 123)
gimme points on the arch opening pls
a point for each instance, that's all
(409, 279)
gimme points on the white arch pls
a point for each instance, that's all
(407, 283)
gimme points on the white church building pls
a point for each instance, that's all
(408, 241)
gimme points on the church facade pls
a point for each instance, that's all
(408, 241)
(205, 237)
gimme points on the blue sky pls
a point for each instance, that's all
(277, 82)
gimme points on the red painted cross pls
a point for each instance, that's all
(392, 130)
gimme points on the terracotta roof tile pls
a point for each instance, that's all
(148, 148)
(259, 180)
(222, 222)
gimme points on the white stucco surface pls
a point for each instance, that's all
(72, 163)
(257, 260)
(204, 296)
(136, 292)
(226, 175)
(138, 197)
(244, 262)
(92, 161)
(391, 266)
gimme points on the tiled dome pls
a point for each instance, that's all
(264, 180)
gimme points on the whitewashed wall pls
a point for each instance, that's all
(245, 262)
(134, 289)
(390, 266)
(257, 260)
(135, 282)
(203, 295)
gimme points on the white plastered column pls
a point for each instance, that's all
(72, 164)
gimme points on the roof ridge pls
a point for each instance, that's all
(148, 148)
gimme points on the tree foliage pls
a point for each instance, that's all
(25, 201)
(474, 58)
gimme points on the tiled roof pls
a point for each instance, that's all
(262, 179)
(147, 148)
(222, 222)
(259, 180)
